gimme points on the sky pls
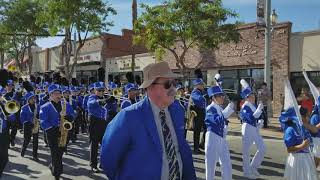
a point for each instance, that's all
(304, 15)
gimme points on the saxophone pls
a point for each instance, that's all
(191, 114)
(36, 122)
(65, 125)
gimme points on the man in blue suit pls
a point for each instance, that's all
(146, 140)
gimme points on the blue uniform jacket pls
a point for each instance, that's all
(131, 147)
(84, 102)
(49, 116)
(125, 104)
(3, 122)
(26, 115)
(113, 106)
(43, 98)
(315, 120)
(214, 120)
(198, 99)
(95, 109)
(246, 115)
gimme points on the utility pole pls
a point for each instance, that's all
(267, 52)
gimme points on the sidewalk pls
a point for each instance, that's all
(273, 131)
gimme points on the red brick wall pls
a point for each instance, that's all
(115, 45)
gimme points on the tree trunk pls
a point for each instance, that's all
(30, 60)
(67, 55)
(2, 58)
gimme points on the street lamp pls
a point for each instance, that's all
(274, 17)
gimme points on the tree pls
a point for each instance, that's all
(178, 25)
(80, 16)
(18, 25)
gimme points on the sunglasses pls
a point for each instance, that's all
(167, 84)
(100, 90)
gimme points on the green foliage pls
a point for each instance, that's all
(18, 27)
(192, 22)
(84, 15)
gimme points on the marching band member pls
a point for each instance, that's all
(314, 125)
(250, 116)
(216, 146)
(75, 105)
(149, 134)
(44, 97)
(98, 122)
(300, 163)
(66, 95)
(85, 100)
(28, 116)
(83, 123)
(50, 117)
(200, 108)
(183, 101)
(112, 103)
(4, 136)
(315, 121)
(130, 90)
(12, 118)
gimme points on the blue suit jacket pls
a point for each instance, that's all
(131, 147)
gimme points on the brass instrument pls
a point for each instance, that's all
(191, 114)
(65, 125)
(11, 106)
(36, 122)
(117, 92)
(12, 68)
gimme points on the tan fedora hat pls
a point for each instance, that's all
(156, 70)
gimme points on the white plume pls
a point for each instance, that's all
(217, 76)
(290, 100)
(218, 79)
(314, 91)
(244, 84)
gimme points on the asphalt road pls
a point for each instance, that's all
(76, 162)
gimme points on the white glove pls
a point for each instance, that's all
(228, 110)
(260, 106)
(260, 123)
(225, 131)
(258, 112)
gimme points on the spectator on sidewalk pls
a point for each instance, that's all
(264, 95)
(305, 101)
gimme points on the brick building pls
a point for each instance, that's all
(244, 60)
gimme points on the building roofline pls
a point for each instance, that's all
(253, 24)
(306, 33)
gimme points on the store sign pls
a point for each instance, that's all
(238, 50)
(89, 57)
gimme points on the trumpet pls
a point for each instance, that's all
(11, 106)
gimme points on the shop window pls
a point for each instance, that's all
(258, 78)
(244, 73)
(228, 73)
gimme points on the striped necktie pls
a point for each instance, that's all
(174, 171)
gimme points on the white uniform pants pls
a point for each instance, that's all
(250, 135)
(216, 148)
